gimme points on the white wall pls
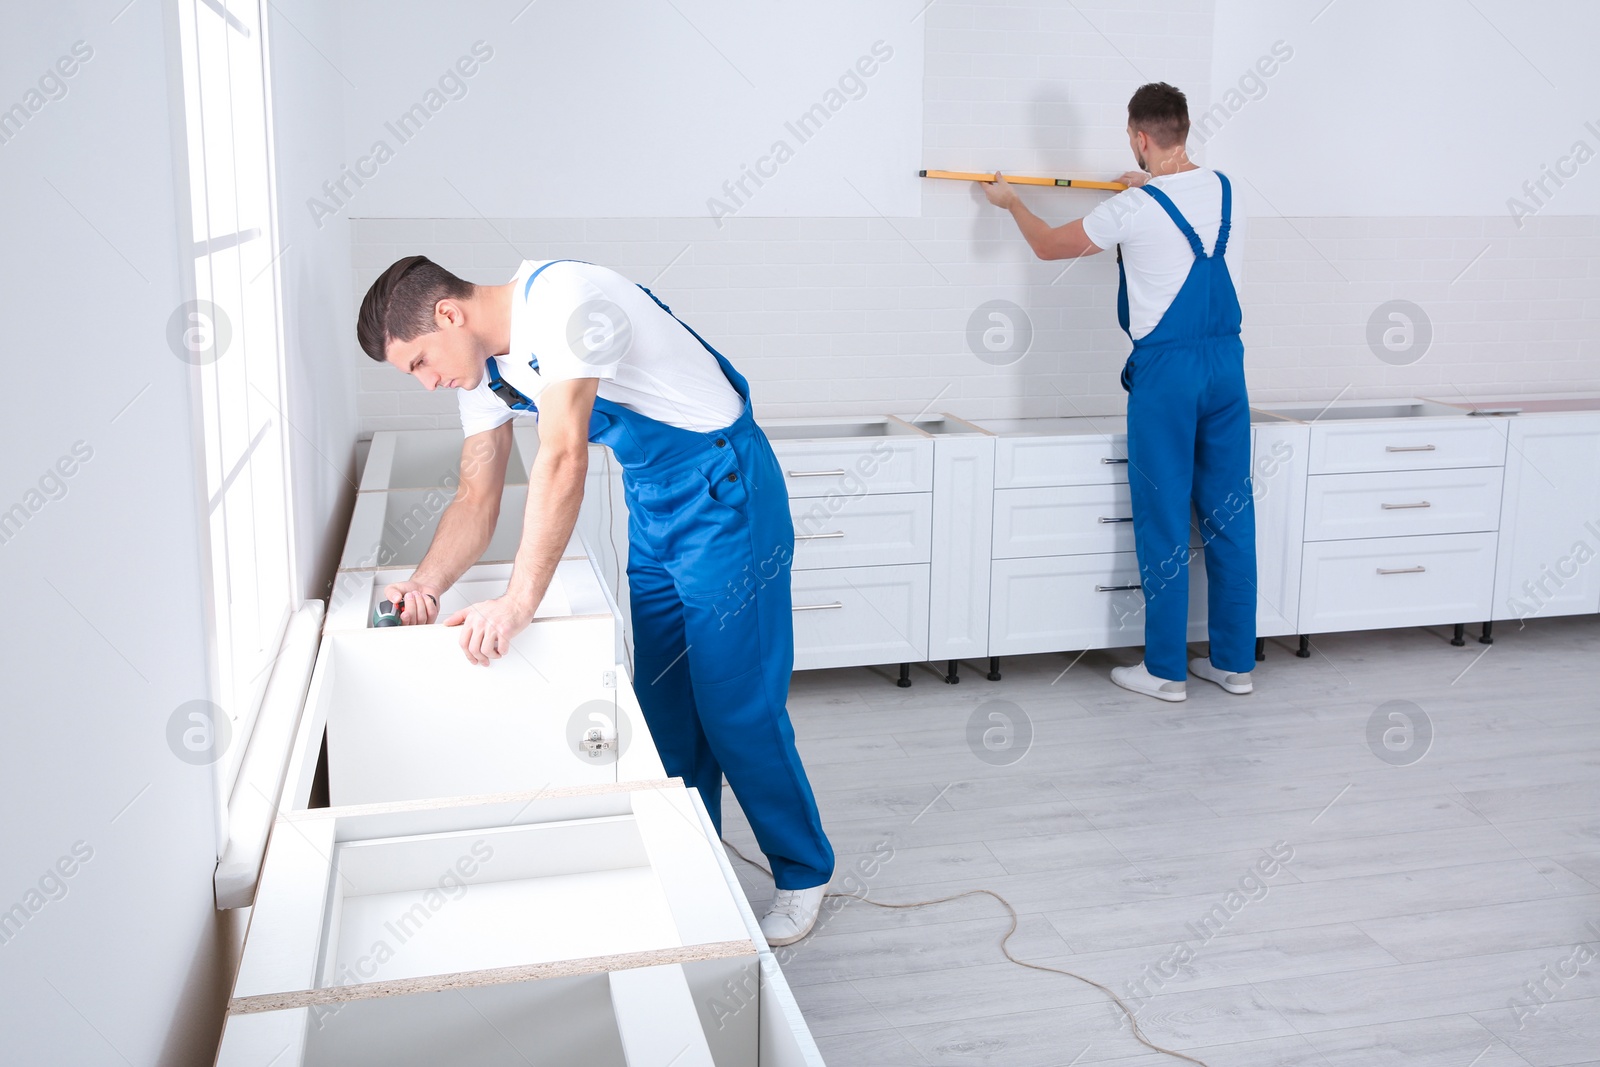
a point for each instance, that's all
(839, 315)
(104, 633)
(1422, 108)
(314, 263)
(615, 108)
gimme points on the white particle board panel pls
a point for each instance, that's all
(430, 459)
(575, 589)
(407, 717)
(595, 925)
(1550, 518)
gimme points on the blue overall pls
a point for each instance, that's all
(1189, 439)
(710, 543)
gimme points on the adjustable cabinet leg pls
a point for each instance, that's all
(1304, 651)
(1261, 649)
(1487, 638)
(905, 676)
(1461, 635)
(994, 668)
(950, 675)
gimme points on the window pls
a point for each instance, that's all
(230, 334)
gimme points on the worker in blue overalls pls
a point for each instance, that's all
(1188, 414)
(597, 358)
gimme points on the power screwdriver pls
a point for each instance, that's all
(388, 613)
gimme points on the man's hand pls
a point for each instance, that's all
(1134, 178)
(418, 603)
(1000, 192)
(488, 626)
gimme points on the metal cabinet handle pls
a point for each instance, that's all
(1411, 448)
(816, 474)
(1116, 588)
(1401, 570)
(1116, 518)
(818, 607)
(1402, 507)
(1112, 459)
(817, 537)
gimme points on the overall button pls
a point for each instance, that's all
(721, 442)
(733, 477)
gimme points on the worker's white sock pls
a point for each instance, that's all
(1201, 667)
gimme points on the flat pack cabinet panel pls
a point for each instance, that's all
(1057, 603)
(869, 530)
(1278, 481)
(852, 616)
(1376, 583)
(427, 459)
(1402, 503)
(958, 583)
(576, 589)
(1405, 444)
(394, 529)
(1549, 559)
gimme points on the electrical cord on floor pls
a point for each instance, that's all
(1132, 1021)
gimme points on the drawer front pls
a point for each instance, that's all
(1396, 581)
(851, 616)
(1062, 520)
(1062, 603)
(1399, 503)
(865, 531)
(855, 467)
(1025, 462)
(1404, 445)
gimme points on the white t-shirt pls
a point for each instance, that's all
(583, 321)
(1156, 256)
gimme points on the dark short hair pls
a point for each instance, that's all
(1161, 112)
(400, 304)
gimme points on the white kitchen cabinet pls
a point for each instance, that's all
(851, 457)
(868, 531)
(1549, 558)
(429, 459)
(1402, 503)
(406, 717)
(1060, 603)
(599, 925)
(855, 616)
(963, 502)
(1279, 456)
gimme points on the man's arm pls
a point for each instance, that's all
(464, 529)
(555, 492)
(1047, 242)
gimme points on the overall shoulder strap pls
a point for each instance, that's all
(542, 268)
(1177, 217)
(514, 398)
(1227, 214)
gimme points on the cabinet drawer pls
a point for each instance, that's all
(1396, 581)
(850, 616)
(1404, 445)
(1090, 459)
(1054, 604)
(1395, 503)
(864, 531)
(1062, 520)
(855, 467)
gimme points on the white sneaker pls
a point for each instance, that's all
(792, 915)
(1233, 683)
(1139, 680)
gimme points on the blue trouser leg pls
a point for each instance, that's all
(662, 683)
(1162, 417)
(1222, 493)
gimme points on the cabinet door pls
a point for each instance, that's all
(1278, 479)
(1378, 582)
(958, 587)
(1062, 603)
(852, 616)
(1550, 519)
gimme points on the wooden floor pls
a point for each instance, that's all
(1424, 904)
